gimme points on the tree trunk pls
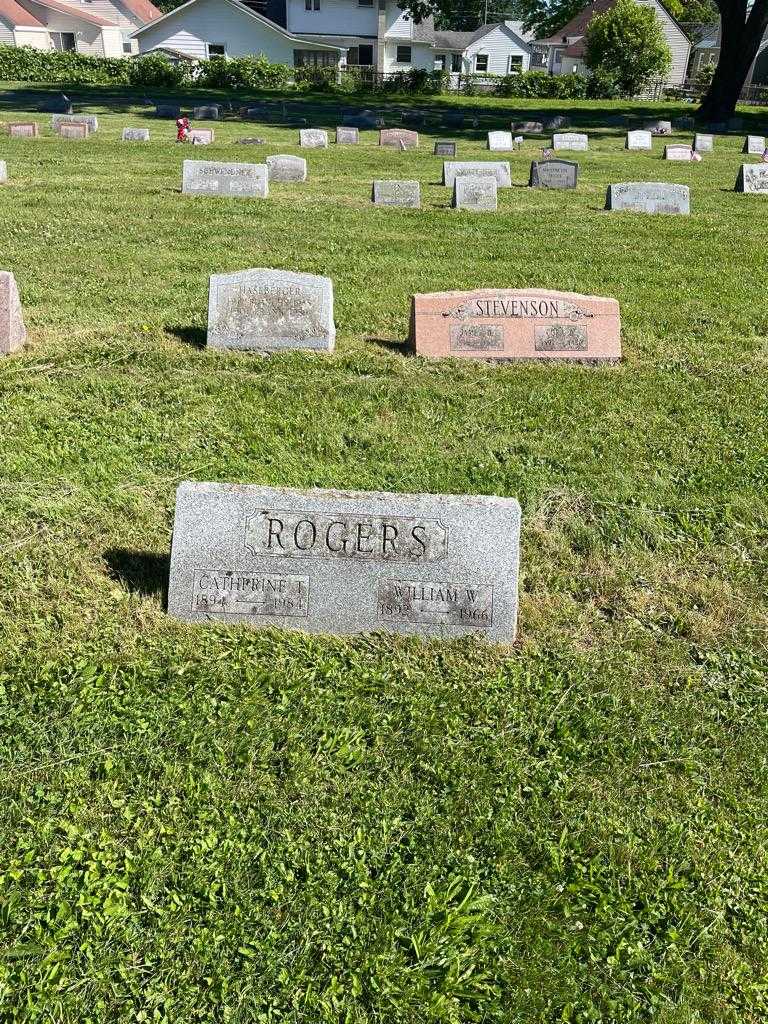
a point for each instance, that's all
(740, 38)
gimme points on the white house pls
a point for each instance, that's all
(101, 28)
(563, 51)
(365, 33)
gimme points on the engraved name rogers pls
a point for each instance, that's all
(369, 538)
(518, 307)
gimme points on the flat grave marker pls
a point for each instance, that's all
(396, 193)
(511, 324)
(570, 140)
(286, 167)
(313, 138)
(478, 194)
(346, 562)
(12, 332)
(753, 178)
(648, 197)
(554, 174)
(270, 311)
(457, 168)
(214, 178)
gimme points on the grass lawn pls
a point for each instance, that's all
(227, 825)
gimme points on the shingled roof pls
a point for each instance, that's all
(15, 15)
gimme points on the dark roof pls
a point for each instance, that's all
(461, 40)
(577, 26)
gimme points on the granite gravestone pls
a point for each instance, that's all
(500, 142)
(703, 143)
(60, 104)
(12, 332)
(556, 123)
(209, 112)
(529, 127)
(659, 127)
(23, 129)
(135, 134)
(509, 324)
(399, 138)
(570, 140)
(499, 169)
(396, 193)
(72, 131)
(479, 194)
(648, 197)
(443, 147)
(347, 136)
(3, 172)
(753, 178)
(201, 136)
(168, 110)
(639, 140)
(346, 562)
(554, 174)
(211, 178)
(678, 152)
(251, 142)
(87, 119)
(313, 138)
(754, 144)
(284, 167)
(270, 311)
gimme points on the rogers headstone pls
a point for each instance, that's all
(88, 119)
(648, 197)
(443, 147)
(478, 194)
(509, 324)
(12, 332)
(270, 311)
(346, 562)
(209, 177)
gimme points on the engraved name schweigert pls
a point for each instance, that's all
(368, 538)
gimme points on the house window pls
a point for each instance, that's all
(311, 5)
(365, 3)
(515, 64)
(440, 62)
(63, 40)
(315, 58)
(403, 55)
(360, 56)
(481, 62)
(456, 62)
(216, 49)
(127, 47)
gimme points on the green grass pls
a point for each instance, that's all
(225, 825)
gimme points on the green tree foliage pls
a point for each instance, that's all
(627, 43)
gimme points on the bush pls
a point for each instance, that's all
(540, 85)
(627, 42)
(603, 85)
(154, 70)
(244, 73)
(26, 64)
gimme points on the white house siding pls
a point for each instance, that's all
(34, 37)
(398, 24)
(210, 21)
(422, 56)
(676, 39)
(6, 34)
(341, 17)
(108, 11)
(499, 45)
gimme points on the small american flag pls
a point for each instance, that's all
(546, 153)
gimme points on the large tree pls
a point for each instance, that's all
(626, 43)
(741, 31)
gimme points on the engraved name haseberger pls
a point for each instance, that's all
(369, 538)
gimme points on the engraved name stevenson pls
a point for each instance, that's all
(368, 538)
(520, 307)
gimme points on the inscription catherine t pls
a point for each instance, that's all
(240, 593)
(523, 307)
(376, 538)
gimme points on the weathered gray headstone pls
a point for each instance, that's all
(659, 127)
(570, 140)
(284, 167)
(210, 177)
(201, 136)
(23, 129)
(347, 135)
(529, 127)
(251, 142)
(169, 110)
(12, 332)
(499, 169)
(443, 147)
(703, 143)
(754, 144)
(399, 137)
(678, 152)
(88, 119)
(475, 193)
(60, 104)
(753, 178)
(3, 172)
(210, 112)
(271, 311)
(639, 140)
(648, 197)
(313, 138)
(500, 141)
(396, 193)
(135, 134)
(554, 124)
(72, 131)
(346, 562)
(554, 174)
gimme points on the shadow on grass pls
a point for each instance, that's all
(195, 337)
(402, 348)
(142, 572)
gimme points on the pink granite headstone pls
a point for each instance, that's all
(12, 332)
(397, 136)
(508, 324)
(23, 129)
(72, 130)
